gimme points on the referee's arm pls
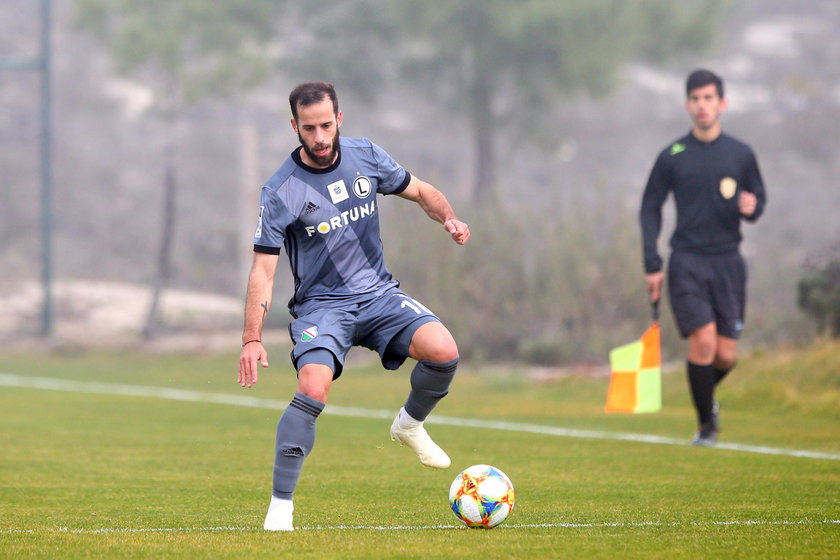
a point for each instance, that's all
(650, 216)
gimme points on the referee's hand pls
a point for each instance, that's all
(654, 282)
(746, 203)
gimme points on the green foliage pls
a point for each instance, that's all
(185, 51)
(531, 49)
(523, 291)
(818, 295)
(499, 63)
(201, 49)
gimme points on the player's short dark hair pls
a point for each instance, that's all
(310, 93)
(700, 78)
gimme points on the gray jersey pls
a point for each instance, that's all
(328, 222)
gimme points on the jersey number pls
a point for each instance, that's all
(415, 305)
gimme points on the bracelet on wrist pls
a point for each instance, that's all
(244, 344)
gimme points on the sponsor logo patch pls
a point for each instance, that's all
(366, 210)
(338, 191)
(677, 148)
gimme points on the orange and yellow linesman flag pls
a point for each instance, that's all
(636, 379)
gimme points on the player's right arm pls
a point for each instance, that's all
(257, 305)
(437, 207)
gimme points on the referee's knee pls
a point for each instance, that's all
(725, 360)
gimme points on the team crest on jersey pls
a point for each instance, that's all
(309, 334)
(258, 233)
(362, 187)
(338, 191)
(728, 186)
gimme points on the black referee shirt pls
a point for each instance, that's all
(706, 179)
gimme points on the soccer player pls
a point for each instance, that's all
(716, 184)
(321, 206)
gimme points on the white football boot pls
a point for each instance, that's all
(279, 516)
(418, 439)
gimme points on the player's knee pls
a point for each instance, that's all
(318, 393)
(314, 381)
(443, 353)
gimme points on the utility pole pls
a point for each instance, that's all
(43, 65)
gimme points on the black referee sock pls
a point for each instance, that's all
(295, 439)
(721, 373)
(702, 381)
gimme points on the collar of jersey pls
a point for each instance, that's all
(316, 170)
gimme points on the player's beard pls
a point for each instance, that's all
(325, 160)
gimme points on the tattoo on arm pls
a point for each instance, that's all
(264, 305)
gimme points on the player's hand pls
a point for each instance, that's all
(746, 203)
(252, 354)
(654, 282)
(459, 231)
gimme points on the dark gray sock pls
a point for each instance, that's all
(429, 383)
(295, 439)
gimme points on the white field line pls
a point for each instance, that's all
(124, 530)
(186, 395)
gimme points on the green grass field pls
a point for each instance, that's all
(92, 468)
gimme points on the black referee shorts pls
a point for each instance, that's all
(708, 288)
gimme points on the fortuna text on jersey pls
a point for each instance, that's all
(354, 214)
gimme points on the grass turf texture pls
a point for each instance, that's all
(87, 475)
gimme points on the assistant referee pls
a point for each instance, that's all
(716, 184)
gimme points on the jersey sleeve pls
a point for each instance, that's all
(272, 222)
(650, 214)
(755, 185)
(393, 178)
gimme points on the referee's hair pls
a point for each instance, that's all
(702, 77)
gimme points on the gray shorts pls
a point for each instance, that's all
(383, 323)
(708, 288)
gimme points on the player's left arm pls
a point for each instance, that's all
(437, 207)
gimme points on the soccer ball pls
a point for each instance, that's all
(481, 496)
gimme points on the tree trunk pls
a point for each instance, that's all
(164, 257)
(248, 199)
(483, 120)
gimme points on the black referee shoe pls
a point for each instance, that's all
(706, 436)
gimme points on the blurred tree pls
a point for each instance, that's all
(186, 51)
(501, 63)
(819, 294)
